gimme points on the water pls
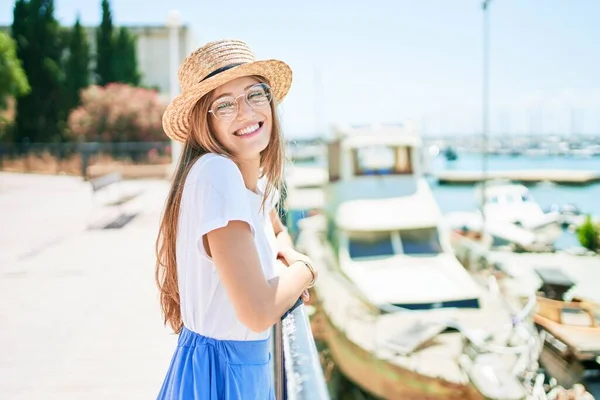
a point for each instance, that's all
(462, 198)
(473, 162)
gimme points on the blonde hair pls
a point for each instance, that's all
(201, 141)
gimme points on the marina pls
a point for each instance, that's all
(441, 172)
(402, 311)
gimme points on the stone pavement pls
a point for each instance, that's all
(79, 311)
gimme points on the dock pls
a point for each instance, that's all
(562, 177)
(79, 307)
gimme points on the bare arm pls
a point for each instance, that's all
(258, 303)
(284, 240)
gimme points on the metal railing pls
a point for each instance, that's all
(297, 368)
(75, 158)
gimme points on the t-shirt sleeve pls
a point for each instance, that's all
(220, 196)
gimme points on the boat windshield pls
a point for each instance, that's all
(370, 244)
(420, 241)
(511, 198)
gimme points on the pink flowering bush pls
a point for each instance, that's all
(117, 113)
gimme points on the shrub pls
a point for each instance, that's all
(589, 234)
(117, 113)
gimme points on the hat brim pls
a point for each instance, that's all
(176, 118)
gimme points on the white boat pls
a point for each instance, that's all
(497, 234)
(401, 316)
(509, 209)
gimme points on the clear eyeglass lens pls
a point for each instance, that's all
(225, 108)
(257, 96)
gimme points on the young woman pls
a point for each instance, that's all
(220, 235)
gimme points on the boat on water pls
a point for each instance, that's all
(510, 205)
(450, 154)
(401, 316)
(509, 217)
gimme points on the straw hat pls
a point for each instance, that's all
(209, 67)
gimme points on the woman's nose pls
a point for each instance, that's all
(244, 110)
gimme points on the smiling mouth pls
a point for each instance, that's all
(249, 130)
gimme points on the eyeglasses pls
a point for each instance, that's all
(226, 108)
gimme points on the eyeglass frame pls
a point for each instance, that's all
(237, 105)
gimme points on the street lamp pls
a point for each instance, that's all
(174, 23)
(485, 106)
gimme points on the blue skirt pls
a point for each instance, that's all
(211, 369)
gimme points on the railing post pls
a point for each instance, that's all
(84, 152)
(279, 366)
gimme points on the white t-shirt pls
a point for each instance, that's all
(214, 194)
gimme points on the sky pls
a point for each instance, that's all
(395, 61)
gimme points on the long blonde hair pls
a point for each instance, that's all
(201, 141)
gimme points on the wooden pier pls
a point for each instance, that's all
(562, 177)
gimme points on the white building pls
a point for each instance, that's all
(152, 52)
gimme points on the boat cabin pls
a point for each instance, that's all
(554, 283)
(373, 150)
(504, 193)
(372, 162)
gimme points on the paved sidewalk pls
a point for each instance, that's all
(79, 314)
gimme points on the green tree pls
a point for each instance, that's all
(125, 59)
(41, 112)
(589, 234)
(105, 47)
(13, 81)
(77, 65)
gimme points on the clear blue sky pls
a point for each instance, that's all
(398, 60)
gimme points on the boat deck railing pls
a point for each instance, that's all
(298, 374)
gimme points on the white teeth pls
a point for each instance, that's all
(247, 130)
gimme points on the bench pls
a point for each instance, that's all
(109, 194)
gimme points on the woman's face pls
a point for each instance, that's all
(241, 117)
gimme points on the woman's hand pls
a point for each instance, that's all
(288, 256)
(291, 255)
